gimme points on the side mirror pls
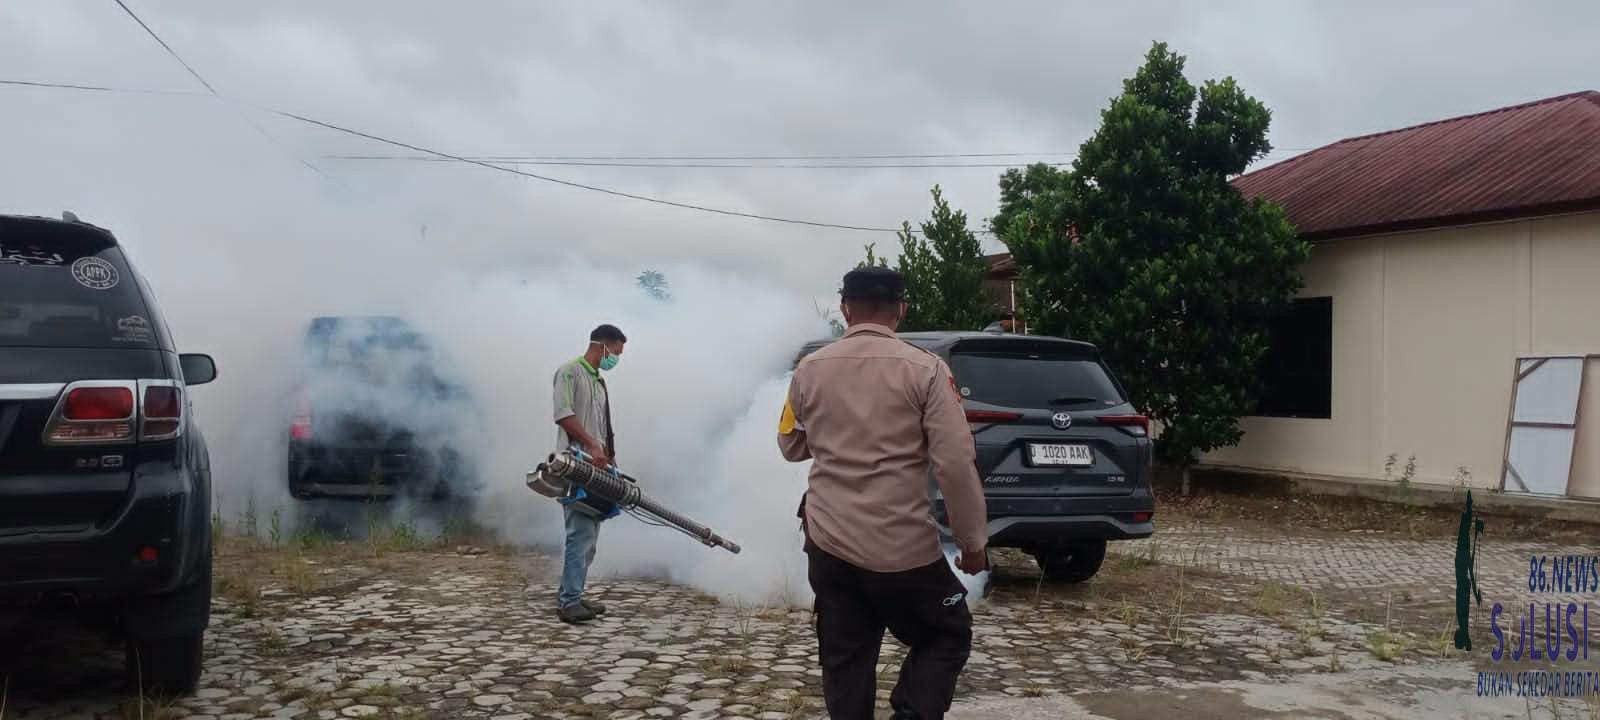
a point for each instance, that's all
(198, 369)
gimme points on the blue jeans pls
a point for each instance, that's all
(583, 534)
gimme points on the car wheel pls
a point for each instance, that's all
(1073, 563)
(166, 666)
(166, 637)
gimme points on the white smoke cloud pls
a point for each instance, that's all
(695, 401)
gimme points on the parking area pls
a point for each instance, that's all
(419, 629)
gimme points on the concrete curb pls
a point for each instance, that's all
(1489, 502)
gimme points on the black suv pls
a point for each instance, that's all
(1064, 458)
(378, 413)
(105, 483)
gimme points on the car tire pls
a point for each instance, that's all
(1073, 563)
(165, 659)
(166, 666)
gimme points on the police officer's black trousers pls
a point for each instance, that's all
(923, 607)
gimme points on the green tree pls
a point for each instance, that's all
(873, 259)
(944, 270)
(1144, 248)
(655, 285)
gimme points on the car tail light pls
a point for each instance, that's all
(300, 424)
(985, 417)
(1135, 425)
(98, 403)
(1141, 517)
(163, 411)
(96, 411)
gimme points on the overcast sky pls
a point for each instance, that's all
(174, 174)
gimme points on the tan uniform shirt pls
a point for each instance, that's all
(877, 415)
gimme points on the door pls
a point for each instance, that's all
(1542, 429)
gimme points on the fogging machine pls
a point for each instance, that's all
(572, 467)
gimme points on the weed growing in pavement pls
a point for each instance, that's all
(218, 530)
(1279, 601)
(145, 707)
(1149, 557)
(1175, 632)
(272, 641)
(242, 589)
(1387, 646)
(1128, 613)
(275, 527)
(311, 539)
(789, 703)
(297, 575)
(1444, 645)
(247, 520)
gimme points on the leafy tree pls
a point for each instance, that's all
(1144, 248)
(873, 259)
(655, 285)
(944, 270)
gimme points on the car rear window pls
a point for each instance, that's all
(1033, 379)
(66, 294)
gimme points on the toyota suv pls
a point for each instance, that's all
(1063, 456)
(105, 483)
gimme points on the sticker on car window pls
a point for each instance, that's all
(29, 255)
(94, 273)
(134, 328)
(966, 392)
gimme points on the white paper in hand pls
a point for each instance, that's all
(975, 585)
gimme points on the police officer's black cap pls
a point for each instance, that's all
(873, 284)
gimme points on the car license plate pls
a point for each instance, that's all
(1056, 454)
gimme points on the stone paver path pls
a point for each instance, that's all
(1361, 561)
(440, 634)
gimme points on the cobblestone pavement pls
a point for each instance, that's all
(441, 634)
(1374, 562)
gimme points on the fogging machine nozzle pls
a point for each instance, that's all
(620, 489)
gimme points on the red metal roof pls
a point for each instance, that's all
(1537, 158)
(1001, 265)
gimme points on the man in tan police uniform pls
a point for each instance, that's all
(878, 416)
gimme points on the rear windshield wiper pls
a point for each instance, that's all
(1074, 400)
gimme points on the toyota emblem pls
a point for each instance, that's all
(1061, 420)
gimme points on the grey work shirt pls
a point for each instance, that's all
(580, 393)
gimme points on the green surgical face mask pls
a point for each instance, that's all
(608, 361)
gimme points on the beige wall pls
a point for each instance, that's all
(1427, 327)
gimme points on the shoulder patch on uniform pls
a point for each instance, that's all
(788, 422)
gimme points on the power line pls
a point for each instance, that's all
(923, 156)
(102, 88)
(514, 171)
(732, 166)
(165, 46)
(569, 183)
(217, 95)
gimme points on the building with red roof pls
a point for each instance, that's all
(1452, 305)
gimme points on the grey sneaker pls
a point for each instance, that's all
(594, 607)
(576, 614)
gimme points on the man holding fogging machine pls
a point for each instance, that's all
(583, 418)
(877, 416)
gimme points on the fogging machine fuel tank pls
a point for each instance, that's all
(574, 468)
